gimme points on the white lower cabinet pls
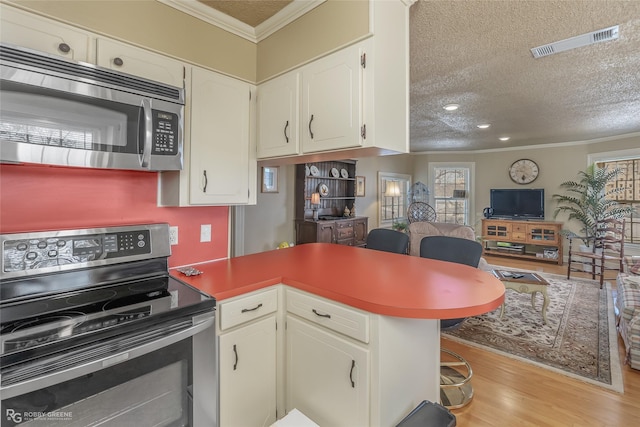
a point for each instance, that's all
(327, 376)
(338, 365)
(248, 375)
(247, 348)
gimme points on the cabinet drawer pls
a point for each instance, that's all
(344, 224)
(344, 233)
(519, 236)
(345, 320)
(519, 228)
(246, 308)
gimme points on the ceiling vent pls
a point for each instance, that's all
(604, 35)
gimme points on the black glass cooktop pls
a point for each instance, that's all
(40, 321)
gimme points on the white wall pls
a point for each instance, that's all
(271, 220)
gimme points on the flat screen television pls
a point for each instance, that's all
(517, 203)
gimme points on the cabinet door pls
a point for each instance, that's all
(248, 375)
(278, 113)
(327, 376)
(360, 231)
(139, 62)
(219, 139)
(332, 102)
(27, 30)
(326, 232)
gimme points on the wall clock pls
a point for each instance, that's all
(524, 171)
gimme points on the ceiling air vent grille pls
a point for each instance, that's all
(603, 35)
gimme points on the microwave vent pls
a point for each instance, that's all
(79, 71)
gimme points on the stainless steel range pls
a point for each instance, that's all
(94, 331)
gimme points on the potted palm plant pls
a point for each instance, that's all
(588, 200)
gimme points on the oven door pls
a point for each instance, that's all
(169, 381)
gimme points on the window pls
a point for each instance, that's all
(393, 189)
(629, 180)
(451, 187)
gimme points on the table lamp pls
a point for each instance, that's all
(315, 202)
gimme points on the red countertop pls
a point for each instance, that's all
(374, 281)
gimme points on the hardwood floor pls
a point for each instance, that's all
(508, 392)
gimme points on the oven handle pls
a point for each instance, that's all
(200, 323)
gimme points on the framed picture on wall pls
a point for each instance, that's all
(270, 179)
(360, 187)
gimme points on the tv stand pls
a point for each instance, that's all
(528, 239)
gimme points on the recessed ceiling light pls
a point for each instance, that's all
(504, 138)
(484, 126)
(451, 107)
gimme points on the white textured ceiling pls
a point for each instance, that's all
(477, 54)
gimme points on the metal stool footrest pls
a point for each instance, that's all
(455, 384)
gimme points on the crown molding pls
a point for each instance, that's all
(289, 13)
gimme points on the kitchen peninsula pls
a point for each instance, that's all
(360, 343)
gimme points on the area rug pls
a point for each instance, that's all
(579, 339)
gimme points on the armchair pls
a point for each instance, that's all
(628, 309)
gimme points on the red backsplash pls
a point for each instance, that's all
(38, 198)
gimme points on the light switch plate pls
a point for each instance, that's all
(205, 233)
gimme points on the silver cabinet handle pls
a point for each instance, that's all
(310, 131)
(64, 48)
(285, 131)
(118, 61)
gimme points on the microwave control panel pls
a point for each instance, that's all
(165, 133)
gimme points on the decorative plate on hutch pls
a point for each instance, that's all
(335, 173)
(314, 170)
(344, 173)
(323, 190)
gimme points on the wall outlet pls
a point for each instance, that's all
(205, 233)
(173, 235)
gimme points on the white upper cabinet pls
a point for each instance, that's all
(278, 116)
(319, 105)
(49, 36)
(219, 151)
(332, 102)
(356, 98)
(139, 62)
(220, 158)
(45, 35)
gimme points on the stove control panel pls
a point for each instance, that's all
(44, 251)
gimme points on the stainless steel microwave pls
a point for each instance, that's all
(66, 113)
